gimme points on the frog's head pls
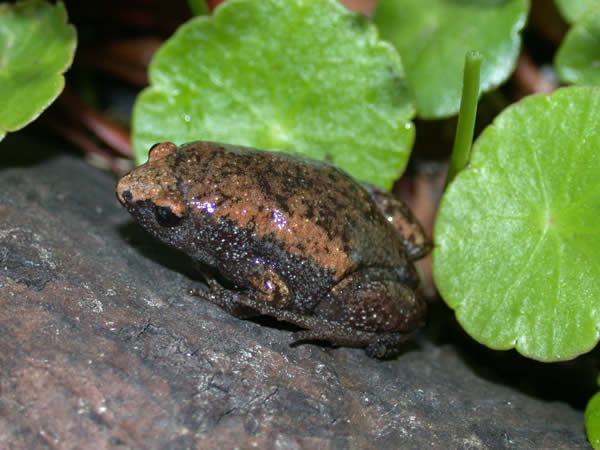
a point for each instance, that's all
(150, 192)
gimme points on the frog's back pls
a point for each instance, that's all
(312, 208)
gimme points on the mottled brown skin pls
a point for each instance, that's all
(295, 239)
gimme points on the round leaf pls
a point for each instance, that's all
(578, 57)
(36, 48)
(573, 10)
(433, 37)
(592, 420)
(304, 76)
(517, 238)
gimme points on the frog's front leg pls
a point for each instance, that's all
(259, 291)
(255, 284)
(225, 299)
(249, 303)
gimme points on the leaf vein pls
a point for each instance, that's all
(518, 278)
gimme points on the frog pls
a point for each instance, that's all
(277, 234)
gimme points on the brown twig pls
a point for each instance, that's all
(108, 131)
(87, 144)
(212, 4)
(528, 78)
(125, 59)
(546, 20)
(366, 7)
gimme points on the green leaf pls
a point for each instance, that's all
(592, 420)
(517, 241)
(302, 76)
(433, 37)
(198, 7)
(36, 48)
(578, 57)
(573, 10)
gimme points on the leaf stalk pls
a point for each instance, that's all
(463, 140)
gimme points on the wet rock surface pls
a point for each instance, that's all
(102, 347)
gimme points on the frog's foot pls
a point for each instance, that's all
(403, 220)
(230, 301)
(376, 345)
(387, 345)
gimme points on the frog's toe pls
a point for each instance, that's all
(377, 350)
(386, 345)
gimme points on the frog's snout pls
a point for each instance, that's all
(124, 195)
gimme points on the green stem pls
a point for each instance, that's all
(461, 151)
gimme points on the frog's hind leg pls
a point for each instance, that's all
(376, 345)
(403, 220)
(372, 308)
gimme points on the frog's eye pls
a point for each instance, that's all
(160, 150)
(165, 217)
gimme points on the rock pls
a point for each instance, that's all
(101, 346)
